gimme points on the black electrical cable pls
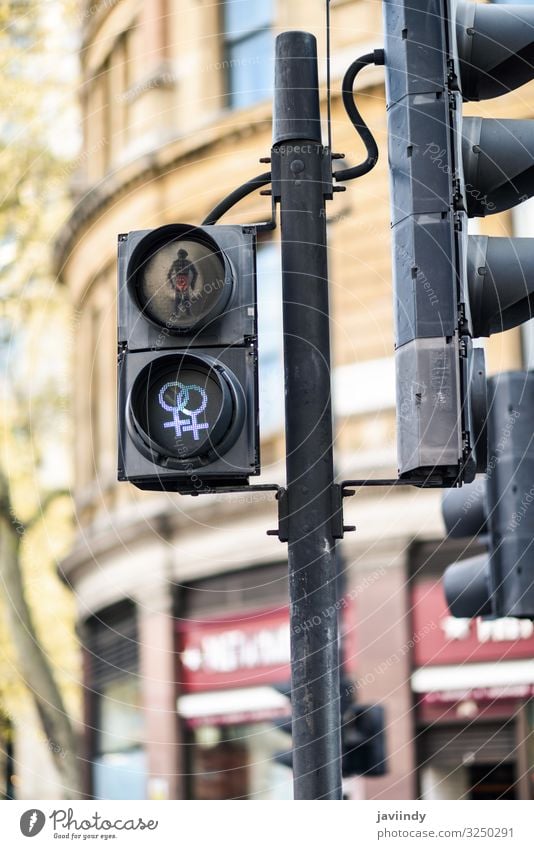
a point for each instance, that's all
(234, 197)
(374, 58)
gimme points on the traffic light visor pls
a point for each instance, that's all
(180, 280)
(183, 409)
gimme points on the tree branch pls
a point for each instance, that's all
(33, 663)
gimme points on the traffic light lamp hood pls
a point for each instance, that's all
(498, 161)
(184, 410)
(495, 48)
(500, 274)
(180, 278)
(467, 587)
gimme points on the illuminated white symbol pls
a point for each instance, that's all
(190, 425)
(33, 820)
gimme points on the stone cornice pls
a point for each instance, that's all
(133, 527)
(229, 126)
(94, 14)
(155, 163)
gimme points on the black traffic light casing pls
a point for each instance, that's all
(363, 736)
(187, 358)
(283, 724)
(449, 287)
(500, 509)
(511, 493)
(363, 740)
(495, 47)
(429, 228)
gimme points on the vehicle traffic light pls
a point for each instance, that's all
(187, 358)
(499, 508)
(450, 287)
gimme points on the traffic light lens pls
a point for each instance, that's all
(182, 284)
(181, 407)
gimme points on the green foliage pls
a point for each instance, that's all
(35, 102)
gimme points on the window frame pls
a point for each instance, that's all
(231, 41)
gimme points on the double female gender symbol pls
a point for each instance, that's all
(189, 425)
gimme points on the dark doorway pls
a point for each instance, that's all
(492, 781)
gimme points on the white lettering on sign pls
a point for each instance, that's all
(498, 630)
(488, 630)
(455, 629)
(230, 651)
(192, 659)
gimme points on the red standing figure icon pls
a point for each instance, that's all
(182, 277)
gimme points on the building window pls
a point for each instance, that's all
(270, 339)
(248, 51)
(238, 761)
(119, 95)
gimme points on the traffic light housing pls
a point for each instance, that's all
(363, 741)
(500, 509)
(363, 736)
(450, 287)
(187, 358)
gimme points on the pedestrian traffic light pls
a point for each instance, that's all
(187, 358)
(500, 509)
(449, 287)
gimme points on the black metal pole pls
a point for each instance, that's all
(299, 161)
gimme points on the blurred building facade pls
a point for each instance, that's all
(183, 602)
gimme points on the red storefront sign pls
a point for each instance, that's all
(512, 692)
(440, 639)
(244, 650)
